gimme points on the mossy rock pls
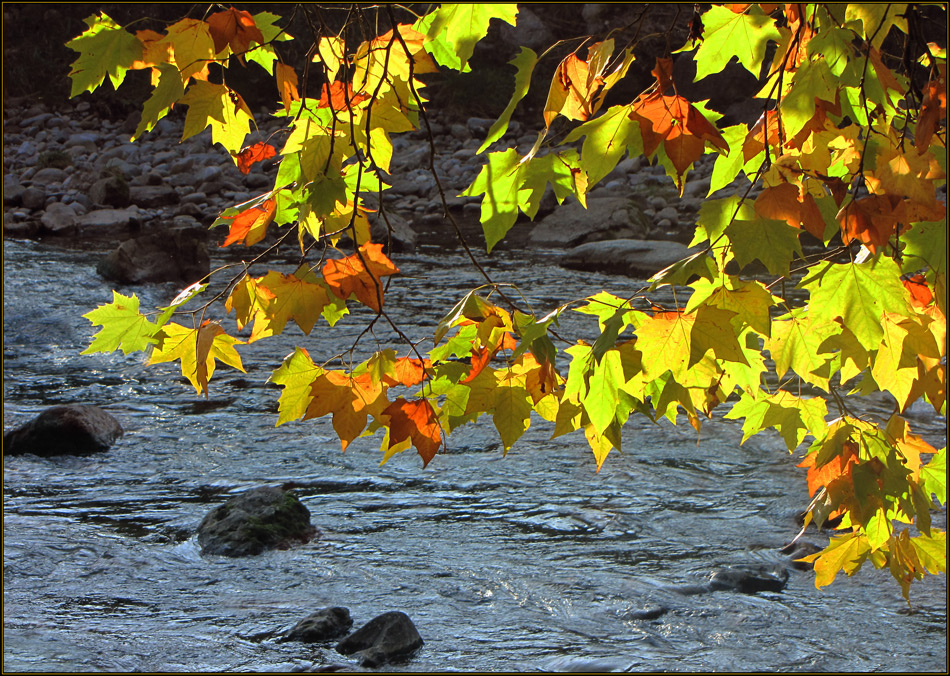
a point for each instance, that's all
(255, 521)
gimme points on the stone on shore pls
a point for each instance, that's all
(604, 218)
(174, 255)
(72, 429)
(632, 257)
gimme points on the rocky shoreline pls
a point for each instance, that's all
(68, 173)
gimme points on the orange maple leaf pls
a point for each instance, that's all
(286, 84)
(932, 111)
(682, 129)
(349, 398)
(480, 359)
(349, 275)
(235, 28)
(339, 96)
(784, 202)
(836, 468)
(871, 220)
(574, 87)
(415, 420)
(409, 372)
(250, 226)
(253, 154)
(920, 294)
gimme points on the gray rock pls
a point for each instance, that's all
(393, 230)
(528, 30)
(209, 173)
(109, 218)
(390, 637)
(111, 191)
(74, 429)
(604, 218)
(255, 521)
(59, 218)
(636, 258)
(33, 198)
(667, 213)
(174, 255)
(151, 196)
(49, 175)
(800, 550)
(12, 191)
(324, 625)
(749, 579)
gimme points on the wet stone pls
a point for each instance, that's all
(388, 638)
(74, 429)
(324, 625)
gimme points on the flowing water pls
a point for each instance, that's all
(530, 561)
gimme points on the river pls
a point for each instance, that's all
(527, 561)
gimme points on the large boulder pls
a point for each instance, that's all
(255, 521)
(111, 191)
(633, 257)
(73, 429)
(390, 637)
(173, 255)
(604, 218)
(324, 625)
(394, 231)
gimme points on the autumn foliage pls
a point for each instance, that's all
(849, 153)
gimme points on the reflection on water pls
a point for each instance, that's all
(521, 562)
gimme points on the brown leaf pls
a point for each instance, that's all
(870, 220)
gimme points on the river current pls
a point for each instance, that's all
(521, 562)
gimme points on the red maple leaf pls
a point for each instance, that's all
(250, 225)
(253, 154)
(349, 275)
(415, 420)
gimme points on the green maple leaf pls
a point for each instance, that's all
(512, 411)
(845, 553)
(607, 138)
(727, 35)
(877, 19)
(932, 551)
(858, 293)
(211, 104)
(296, 374)
(933, 476)
(792, 416)
(602, 398)
(265, 55)
(728, 165)
(926, 244)
(197, 349)
(712, 331)
(774, 243)
(750, 301)
(795, 344)
(813, 79)
(452, 30)
(104, 49)
(164, 96)
(123, 326)
(716, 215)
(524, 62)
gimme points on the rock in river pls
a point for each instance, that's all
(73, 429)
(390, 637)
(257, 520)
(324, 625)
(174, 255)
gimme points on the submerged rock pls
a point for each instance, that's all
(73, 429)
(324, 625)
(749, 579)
(257, 520)
(390, 637)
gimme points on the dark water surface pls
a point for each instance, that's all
(504, 563)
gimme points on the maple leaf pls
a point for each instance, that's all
(796, 344)
(350, 398)
(920, 295)
(792, 416)
(339, 96)
(607, 138)
(105, 48)
(234, 28)
(785, 202)
(576, 83)
(453, 30)
(933, 110)
(296, 375)
(349, 275)
(250, 226)
(845, 553)
(193, 48)
(774, 243)
(524, 63)
(729, 34)
(408, 371)
(415, 420)
(123, 326)
(253, 154)
(154, 53)
(168, 91)
(299, 296)
(859, 293)
(286, 84)
(221, 108)
(680, 126)
(197, 349)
